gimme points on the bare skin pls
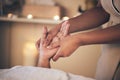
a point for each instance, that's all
(88, 20)
(46, 54)
(102, 36)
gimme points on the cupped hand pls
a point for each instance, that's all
(67, 46)
(49, 36)
(64, 32)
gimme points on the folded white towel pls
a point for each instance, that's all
(37, 73)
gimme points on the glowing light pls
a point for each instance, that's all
(56, 17)
(65, 18)
(29, 54)
(29, 16)
(10, 15)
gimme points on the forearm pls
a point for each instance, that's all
(102, 36)
(88, 20)
(43, 63)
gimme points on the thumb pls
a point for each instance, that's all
(67, 27)
(37, 44)
(57, 55)
(44, 35)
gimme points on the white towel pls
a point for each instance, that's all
(37, 73)
(32, 73)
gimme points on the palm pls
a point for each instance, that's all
(64, 32)
(48, 53)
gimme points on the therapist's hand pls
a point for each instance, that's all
(67, 46)
(64, 32)
(52, 33)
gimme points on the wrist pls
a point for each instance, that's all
(80, 39)
(43, 59)
(86, 38)
(43, 62)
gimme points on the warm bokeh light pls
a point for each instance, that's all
(29, 16)
(10, 15)
(29, 54)
(56, 17)
(65, 18)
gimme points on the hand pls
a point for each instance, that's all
(64, 31)
(54, 32)
(67, 46)
(46, 53)
(67, 43)
(49, 36)
(50, 52)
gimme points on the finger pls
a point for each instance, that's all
(44, 35)
(37, 44)
(54, 45)
(48, 40)
(62, 27)
(55, 50)
(57, 55)
(66, 30)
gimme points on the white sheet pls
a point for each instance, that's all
(37, 73)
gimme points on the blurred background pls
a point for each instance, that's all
(21, 23)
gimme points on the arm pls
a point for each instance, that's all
(44, 63)
(88, 20)
(102, 36)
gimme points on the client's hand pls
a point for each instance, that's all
(45, 54)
